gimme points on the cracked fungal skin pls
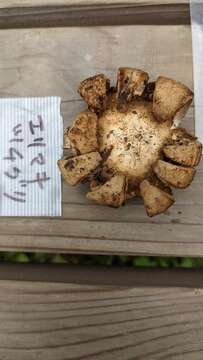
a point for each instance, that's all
(127, 143)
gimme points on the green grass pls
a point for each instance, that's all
(132, 261)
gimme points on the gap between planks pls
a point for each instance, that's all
(101, 275)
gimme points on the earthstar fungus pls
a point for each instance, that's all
(127, 143)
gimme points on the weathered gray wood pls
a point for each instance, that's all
(135, 213)
(51, 61)
(86, 13)
(53, 321)
(63, 57)
(101, 237)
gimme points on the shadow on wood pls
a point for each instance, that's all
(54, 16)
(99, 275)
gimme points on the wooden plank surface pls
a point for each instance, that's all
(52, 321)
(32, 3)
(29, 14)
(63, 57)
(53, 62)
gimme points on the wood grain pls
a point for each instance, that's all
(32, 3)
(82, 13)
(53, 321)
(64, 57)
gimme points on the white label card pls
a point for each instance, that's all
(31, 143)
(196, 7)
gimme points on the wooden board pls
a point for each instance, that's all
(49, 13)
(52, 62)
(52, 321)
(29, 3)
